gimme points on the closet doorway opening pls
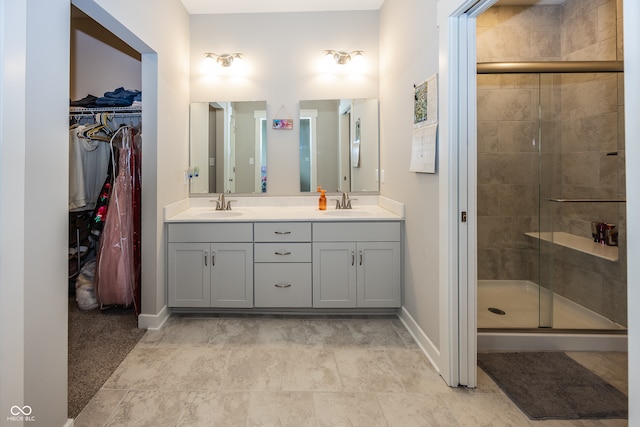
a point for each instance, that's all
(105, 205)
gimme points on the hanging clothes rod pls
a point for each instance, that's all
(118, 111)
(550, 67)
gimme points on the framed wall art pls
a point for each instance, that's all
(283, 123)
(425, 127)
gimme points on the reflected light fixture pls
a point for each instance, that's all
(342, 58)
(224, 60)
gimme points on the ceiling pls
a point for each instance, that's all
(273, 6)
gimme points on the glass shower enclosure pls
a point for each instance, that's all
(551, 190)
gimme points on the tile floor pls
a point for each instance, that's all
(281, 371)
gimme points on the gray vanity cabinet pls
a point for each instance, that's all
(210, 265)
(284, 265)
(356, 265)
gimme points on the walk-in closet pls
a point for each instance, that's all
(105, 185)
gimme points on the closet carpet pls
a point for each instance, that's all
(99, 340)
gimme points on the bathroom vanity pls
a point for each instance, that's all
(284, 257)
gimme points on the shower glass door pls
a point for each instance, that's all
(582, 282)
(550, 167)
(509, 171)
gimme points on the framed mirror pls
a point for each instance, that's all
(339, 145)
(228, 147)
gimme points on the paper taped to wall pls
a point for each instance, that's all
(423, 149)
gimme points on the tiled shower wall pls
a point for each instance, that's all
(582, 147)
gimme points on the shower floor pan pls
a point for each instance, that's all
(575, 327)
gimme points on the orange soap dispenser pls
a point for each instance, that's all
(322, 203)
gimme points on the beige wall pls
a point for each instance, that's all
(409, 55)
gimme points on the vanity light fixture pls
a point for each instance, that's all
(225, 60)
(341, 57)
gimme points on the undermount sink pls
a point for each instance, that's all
(217, 214)
(348, 212)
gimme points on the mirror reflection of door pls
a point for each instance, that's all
(308, 158)
(344, 151)
(218, 160)
(230, 154)
(211, 170)
(260, 160)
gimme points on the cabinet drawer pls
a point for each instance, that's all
(282, 252)
(210, 232)
(282, 232)
(282, 285)
(388, 231)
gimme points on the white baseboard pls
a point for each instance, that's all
(154, 321)
(423, 341)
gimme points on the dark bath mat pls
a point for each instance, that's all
(553, 386)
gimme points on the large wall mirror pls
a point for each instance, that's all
(228, 147)
(339, 145)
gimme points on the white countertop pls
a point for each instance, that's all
(302, 208)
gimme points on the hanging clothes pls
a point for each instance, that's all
(88, 164)
(115, 277)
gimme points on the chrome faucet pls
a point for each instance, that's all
(222, 204)
(345, 202)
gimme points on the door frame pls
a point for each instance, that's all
(463, 150)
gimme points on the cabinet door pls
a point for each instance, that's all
(232, 275)
(334, 275)
(379, 283)
(189, 275)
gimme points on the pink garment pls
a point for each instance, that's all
(115, 284)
